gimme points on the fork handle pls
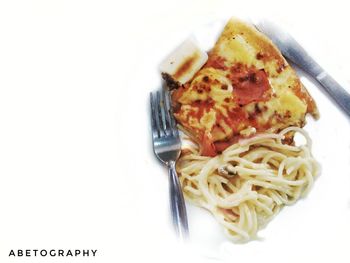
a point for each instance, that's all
(177, 204)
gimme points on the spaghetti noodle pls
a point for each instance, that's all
(249, 182)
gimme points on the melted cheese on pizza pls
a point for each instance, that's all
(246, 87)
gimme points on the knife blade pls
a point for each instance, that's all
(293, 51)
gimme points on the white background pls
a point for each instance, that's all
(76, 165)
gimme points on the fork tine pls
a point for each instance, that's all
(158, 115)
(167, 110)
(174, 129)
(163, 111)
(170, 116)
(155, 132)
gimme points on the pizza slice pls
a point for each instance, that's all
(245, 87)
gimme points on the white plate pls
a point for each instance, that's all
(315, 228)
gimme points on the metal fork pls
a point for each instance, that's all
(167, 147)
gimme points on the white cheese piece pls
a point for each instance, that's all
(185, 61)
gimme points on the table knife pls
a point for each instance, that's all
(293, 51)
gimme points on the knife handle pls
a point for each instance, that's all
(337, 92)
